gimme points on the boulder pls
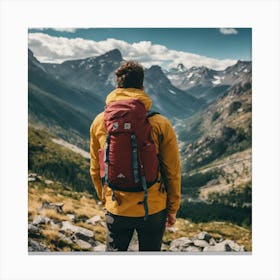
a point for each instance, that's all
(33, 231)
(193, 249)
(219, 247)
(94, 220)
(41, 220)
(31, 179)
(171, 229)
(80, 232)
(99, 248)
(56, 206)
(65, 239)
(49, 182)
(71, 217)
(35, 246)
(212, 241)
(134, 245)
(201, 243)
(83, 244)
(103, 224)
(234, 246)
(203, 236)
(180, 244)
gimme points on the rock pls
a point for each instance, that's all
(219, 247)
(83, 244)
(71, 217)
(54, 225)
(79, 232)
(164, 247)
(192, 249)
(234, 246)
(201, 243)
(103, 224)
(31, 179)
(212, 241)
(203, 236)
(94, 220)
(65, 239)
(33, 230)
(41, 220)
(180, 244)
(49, 182)
(34, 246)
(56, 206)
(133, 245)
(99, 248)
(171, 229)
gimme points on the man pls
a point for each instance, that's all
(125, 210)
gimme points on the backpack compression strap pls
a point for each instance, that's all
(152, 113)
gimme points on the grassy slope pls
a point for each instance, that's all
(52, 161)
(84, 206)
(217, 151)
(57, 162)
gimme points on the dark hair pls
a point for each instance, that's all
(130, 75)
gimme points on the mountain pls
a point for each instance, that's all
(206, 83)
(211, 112)
(216, 149)
(94, 74)
(168, 99)
(53, 104)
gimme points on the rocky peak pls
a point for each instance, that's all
(114, 54)
(181, 67)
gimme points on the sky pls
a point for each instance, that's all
(215, 48)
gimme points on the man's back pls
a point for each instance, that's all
(149, 209)
(166, 145)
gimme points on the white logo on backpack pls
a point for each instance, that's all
(120, 176)
(115, 125)
(127, 125)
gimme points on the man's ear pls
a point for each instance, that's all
(142, 88)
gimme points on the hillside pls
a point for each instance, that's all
(64, 215)
(216, 150)
(62, 220)
(49, 158)
(211, 112)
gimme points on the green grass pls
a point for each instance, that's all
(56, 162)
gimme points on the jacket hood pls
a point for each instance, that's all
(129, 93)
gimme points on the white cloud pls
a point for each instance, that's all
(228, 31)
(70, 30)
(66, 29)
(58, 49)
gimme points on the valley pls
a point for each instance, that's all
(211, 112)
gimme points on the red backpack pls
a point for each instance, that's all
(129, 161)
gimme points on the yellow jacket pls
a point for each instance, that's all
(167, 148)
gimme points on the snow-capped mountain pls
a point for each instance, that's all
(93, 74)
(167, 98)
(206, 83)
(96, 75)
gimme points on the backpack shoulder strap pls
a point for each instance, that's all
(152, 113)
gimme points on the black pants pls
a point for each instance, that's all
(121, 229)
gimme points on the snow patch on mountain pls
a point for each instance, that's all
(172, 91)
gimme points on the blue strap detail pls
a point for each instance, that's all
(134, 159)
(106, 158)
(151, 113)
(145, 201)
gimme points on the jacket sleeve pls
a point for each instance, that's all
(170, 166)
(94, 160)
